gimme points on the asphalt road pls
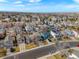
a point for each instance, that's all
(34, 54)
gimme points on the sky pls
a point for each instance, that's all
(39, 5)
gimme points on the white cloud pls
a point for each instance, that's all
(34, 1)
(18, 2)
(3, 1)
(77, 1)
(72, 6)
(19, 5)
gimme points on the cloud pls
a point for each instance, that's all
(72, 6)
(19, 5)
(3, 1)
(18, 2)
(77, 1)
(32, 1)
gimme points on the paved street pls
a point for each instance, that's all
(39, 52)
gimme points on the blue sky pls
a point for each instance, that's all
(39, 5)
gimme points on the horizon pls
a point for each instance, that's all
(35, 12)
